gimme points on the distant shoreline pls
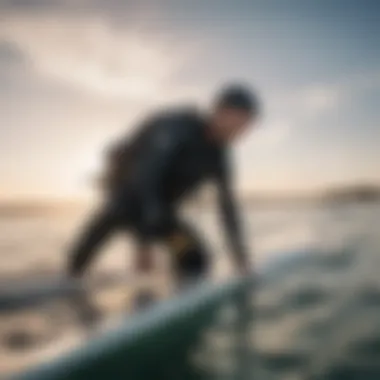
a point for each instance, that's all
(31, 208)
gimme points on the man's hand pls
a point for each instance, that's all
(243, 266)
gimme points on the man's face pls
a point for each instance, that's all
(230, 123)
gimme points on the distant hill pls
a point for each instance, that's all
(354, 193)
(339, 194)
(35, 208)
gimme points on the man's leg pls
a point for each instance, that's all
(189, 255)
(90, 241)
(144, 265)
(144, 260)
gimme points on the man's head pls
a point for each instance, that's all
(235, 108)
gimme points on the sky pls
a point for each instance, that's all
(76, 74)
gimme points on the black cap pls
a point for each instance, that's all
(238, 96)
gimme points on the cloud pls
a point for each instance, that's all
(78, 80)
(11, 55)
(61, 6)
(14, 66)
(323, 97)
(273, 133)
(295, 113)
(14, 63)
(319, 98)
(87, 53)
(303, 104)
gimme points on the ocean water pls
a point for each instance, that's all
(39, 244)
(36, 247)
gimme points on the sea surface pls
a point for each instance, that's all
(39, 244)
(35, 247)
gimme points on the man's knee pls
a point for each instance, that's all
(192, 262)
(189, 256)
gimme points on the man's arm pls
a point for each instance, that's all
(229, 212)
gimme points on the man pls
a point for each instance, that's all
(117, 159)
(173, 153)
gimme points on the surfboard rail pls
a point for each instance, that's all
(146, 342)
(146, 338)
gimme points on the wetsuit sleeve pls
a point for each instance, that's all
(159, 151)
(229, 213)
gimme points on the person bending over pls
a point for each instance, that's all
(171, 155)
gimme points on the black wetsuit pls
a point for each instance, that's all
(171, 156)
